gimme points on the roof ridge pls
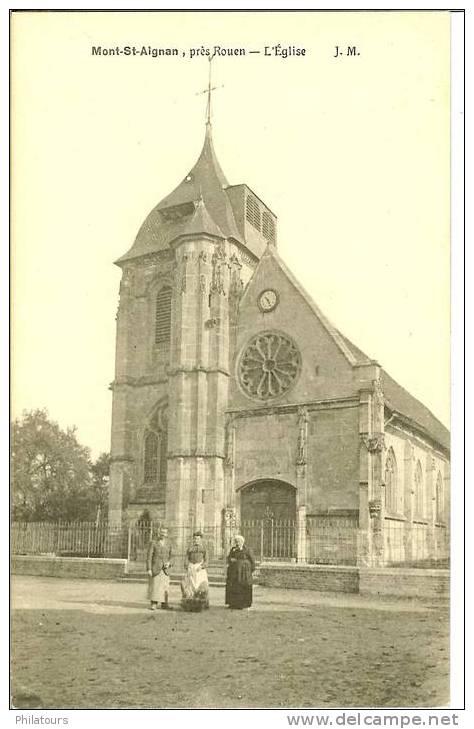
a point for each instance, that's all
(402, 401)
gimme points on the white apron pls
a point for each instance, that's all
(158, 587)
(193, 580)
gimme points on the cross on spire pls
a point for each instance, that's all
(208, 91)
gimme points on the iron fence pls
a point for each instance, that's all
(442, 544)
(415, 544)
(270, 539)
(323, 539)
(331, 539)
(75, 539)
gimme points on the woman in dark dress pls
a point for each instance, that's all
(240, 565)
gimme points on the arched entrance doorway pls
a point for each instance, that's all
(268, 518)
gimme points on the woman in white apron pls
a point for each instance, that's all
(195, 585)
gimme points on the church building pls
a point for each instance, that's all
(236, 402)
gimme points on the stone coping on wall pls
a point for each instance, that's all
(304, 566)
(387, 571)
(405, 571)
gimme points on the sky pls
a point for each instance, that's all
(350, 152)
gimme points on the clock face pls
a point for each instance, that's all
(268, 300)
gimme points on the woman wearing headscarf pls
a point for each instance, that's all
(195, 585)
(240, 565)
(158, 562)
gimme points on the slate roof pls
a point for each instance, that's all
(399, 400)
(206, 183)
(403, 403)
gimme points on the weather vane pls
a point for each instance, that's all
(208, 91)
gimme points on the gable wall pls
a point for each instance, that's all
(325, 372)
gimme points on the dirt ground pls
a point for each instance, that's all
(91, 644)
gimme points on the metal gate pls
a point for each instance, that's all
(270, 539)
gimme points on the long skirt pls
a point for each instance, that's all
(238, 588)
(195, 589)
(158, 587)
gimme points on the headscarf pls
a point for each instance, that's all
(239, 539)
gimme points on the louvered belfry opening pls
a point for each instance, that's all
(163, 316)
(252, 212)
(268, 226)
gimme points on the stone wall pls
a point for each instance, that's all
(333, 459)
(403, 582)
(265, 447)
(378, 582)
(323, 578)
(72, 567)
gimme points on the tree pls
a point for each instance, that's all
(100, 485)
(53, 477)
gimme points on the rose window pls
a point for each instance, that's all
(269, 365)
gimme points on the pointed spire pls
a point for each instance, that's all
(205, 188)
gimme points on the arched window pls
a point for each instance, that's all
(268, 226)
(439, 499)
(163, 449)
(150, 469)
(419, 496)
(163, 315)
(391, 485)
(155, 450)
(252, 212)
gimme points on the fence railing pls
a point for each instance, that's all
(320, 540)
(331, 539)
(416, 544)
(270, 538)
(76, 539)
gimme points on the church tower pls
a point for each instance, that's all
(181, 283)
(237, 402)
